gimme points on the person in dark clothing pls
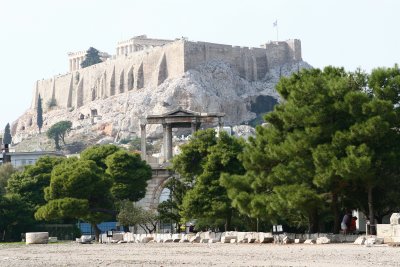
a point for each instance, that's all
(346, 222)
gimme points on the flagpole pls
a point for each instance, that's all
(275, 24)
(277, 39)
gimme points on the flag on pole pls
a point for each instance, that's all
(275, 24)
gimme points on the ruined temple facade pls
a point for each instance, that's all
(142, 62)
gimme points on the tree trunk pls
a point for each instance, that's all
(371, 211)
(96, 231)
(313, 221)
(228, 220)
(336, 214)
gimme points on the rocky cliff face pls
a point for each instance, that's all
(211, 87)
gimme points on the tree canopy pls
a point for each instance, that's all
(78, 189)
(6, 170)
(92, 57)
(91, 187)
(30, 183)
(58, 131)
(333, 137)
(202, 162)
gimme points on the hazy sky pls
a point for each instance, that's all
(36, 35)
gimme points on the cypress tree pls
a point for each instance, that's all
(39, 120)
(7, 139)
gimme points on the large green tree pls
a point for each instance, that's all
(58, 131)
(92, 57)
(202, 161)
(129, 174)
(30, 183)
(7, 138)
(78, 189)
(319, 147)
(15, 217)
(91, 188)
(6, 170)
(39, 114)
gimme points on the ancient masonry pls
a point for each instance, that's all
(142, 62)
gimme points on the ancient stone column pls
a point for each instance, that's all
(143, 141)
(169, 142)
(70, 65)
(194, 127)
(220, 124)
(165, 141)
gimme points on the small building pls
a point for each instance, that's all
(20, 159)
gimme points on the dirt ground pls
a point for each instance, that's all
(186, 254)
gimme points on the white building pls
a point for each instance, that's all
(20, 159)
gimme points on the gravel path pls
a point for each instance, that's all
(178, 254)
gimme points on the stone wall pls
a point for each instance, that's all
(149, 68)
(250, 63)
(141, 69)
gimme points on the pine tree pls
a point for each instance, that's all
(7, 139)
(92, 57)
(39, 120)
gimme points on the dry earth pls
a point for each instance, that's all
(174, 254)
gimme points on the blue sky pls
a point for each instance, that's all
(35, 36)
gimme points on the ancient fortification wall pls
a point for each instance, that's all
(152, 65)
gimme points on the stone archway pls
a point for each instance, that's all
(155, 186)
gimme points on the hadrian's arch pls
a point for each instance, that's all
(178, 118)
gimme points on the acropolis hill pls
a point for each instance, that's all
(153, 76)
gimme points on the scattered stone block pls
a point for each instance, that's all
(395, 230)
(287, 240)
(233, 240)
(195, 239)
(266, 238)
(37, 238)
(360, 240)
(147, 239)
(310, 241)
(210, 241)
(204, 240)
(53, 239)
(323, 240)
(227, 239)
(395, 219)
(251, 240)
(299, 241)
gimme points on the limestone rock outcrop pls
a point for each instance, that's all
(211, 87)
(153, 76)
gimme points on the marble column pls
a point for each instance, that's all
(194, 127)
(70, 65)
(165, 141)
(220, 124)
(169, 142)
(143, 141)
